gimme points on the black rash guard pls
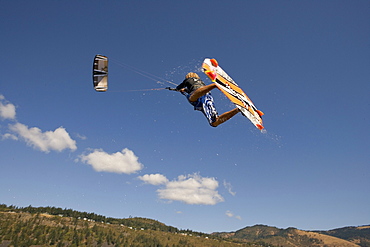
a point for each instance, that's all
(191, 84)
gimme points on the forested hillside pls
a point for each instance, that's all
(49, 226)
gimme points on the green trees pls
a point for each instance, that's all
(46, 226)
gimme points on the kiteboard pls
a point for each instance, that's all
(232, 91)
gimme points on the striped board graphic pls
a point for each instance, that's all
(232, 91)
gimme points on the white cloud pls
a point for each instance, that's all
(7, 110)
(120, 162)
(190, 189)
(229, 214)
(9, 136)
(229, 188)
(56, 140)
(154, 179)
(232, 215)
(81, 137)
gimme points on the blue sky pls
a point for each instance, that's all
(124, 153)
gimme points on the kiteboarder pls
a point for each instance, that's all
(199, 95)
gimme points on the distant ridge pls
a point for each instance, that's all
(359, 235)
(341, 237)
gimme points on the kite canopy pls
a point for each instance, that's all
(100, 73)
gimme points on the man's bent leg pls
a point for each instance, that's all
(224, 117)
(201, 91)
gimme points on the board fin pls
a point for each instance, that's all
(214, 62)
(260, 113)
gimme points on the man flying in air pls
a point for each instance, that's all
(199, 95)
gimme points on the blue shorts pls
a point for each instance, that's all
(206, 105)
